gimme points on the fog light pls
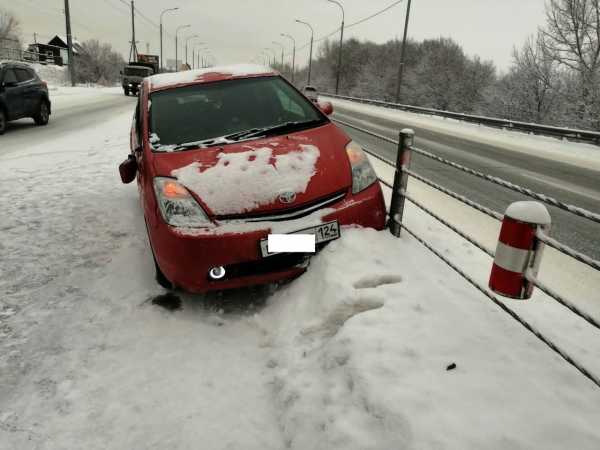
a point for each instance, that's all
(216, 273)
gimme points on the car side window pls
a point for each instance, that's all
(10, 76)
(23, 75)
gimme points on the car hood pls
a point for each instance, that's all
(265, 175)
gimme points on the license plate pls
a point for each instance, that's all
(326, 232)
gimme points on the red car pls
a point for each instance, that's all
(226, 156)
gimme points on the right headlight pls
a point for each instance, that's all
(363, 174)
(177, 206)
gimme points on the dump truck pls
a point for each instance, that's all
(134, 72)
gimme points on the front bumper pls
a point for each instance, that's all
(186, 256)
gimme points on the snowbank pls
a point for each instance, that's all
(361, 347)
(53, 75)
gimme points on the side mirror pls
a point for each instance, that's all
(128, 169)
(325, 107)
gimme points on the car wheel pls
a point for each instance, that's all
(2, 121)
(43, 115)
(126, 92)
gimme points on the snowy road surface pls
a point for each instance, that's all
(566, 171)
(352, 355)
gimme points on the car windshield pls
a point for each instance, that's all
(226, 111)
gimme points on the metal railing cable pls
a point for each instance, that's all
(490, 212)
(568, 251)
(581, 212)
(576, 210)
(541, 286)
(507, 310)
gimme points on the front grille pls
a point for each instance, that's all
(272, 264)
(289, 213)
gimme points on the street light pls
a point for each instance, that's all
(339, 67)
(177, 46)
(312, 37)
(293, 54)
(196, 61)
(161, 35)
(282, 48)
(187, 39)
(271, 50)
(402, 54)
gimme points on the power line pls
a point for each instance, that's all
(353, 24)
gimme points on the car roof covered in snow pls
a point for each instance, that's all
(210, 74)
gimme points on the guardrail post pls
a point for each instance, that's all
(519, 251)
(405, 143)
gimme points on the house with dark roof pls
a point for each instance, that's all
(55, 51)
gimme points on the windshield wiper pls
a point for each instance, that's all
(282, 127)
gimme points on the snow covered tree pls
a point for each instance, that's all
(98, 63)
(572, 37)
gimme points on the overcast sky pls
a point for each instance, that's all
(237, 30)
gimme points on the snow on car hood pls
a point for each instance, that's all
(190, 76)
(241, 182)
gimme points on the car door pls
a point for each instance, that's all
(13, 93)
(28, 83)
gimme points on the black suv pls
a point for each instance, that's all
(22, 94)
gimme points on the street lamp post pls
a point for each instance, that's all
(187, 39)
(196, 60)
(273, 53)
(161, 35)
(402, 54)
(312, 37)
(282, 48)
(181, 27)
(289, 36)
(339, 67)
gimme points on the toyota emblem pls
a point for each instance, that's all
(287, 197)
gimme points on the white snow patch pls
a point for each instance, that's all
(190, 76)
(243, 181)
(530, 212)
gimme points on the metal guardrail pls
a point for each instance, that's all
(589, 136)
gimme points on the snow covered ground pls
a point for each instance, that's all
(352, 355)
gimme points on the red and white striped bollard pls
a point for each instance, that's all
(519, 251)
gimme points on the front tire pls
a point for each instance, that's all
(126, 91)
(2, 121)
(43, 115)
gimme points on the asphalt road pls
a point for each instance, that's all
(570, 184)
(65, 118)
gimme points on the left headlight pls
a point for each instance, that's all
(363, 174)
(177, 206)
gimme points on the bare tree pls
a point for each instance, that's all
(9, 30)
(572, 36)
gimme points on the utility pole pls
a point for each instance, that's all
(70, 43)
(312, 36)
(133, 52)
(339, 66)
(293, 53)
(402, 54)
